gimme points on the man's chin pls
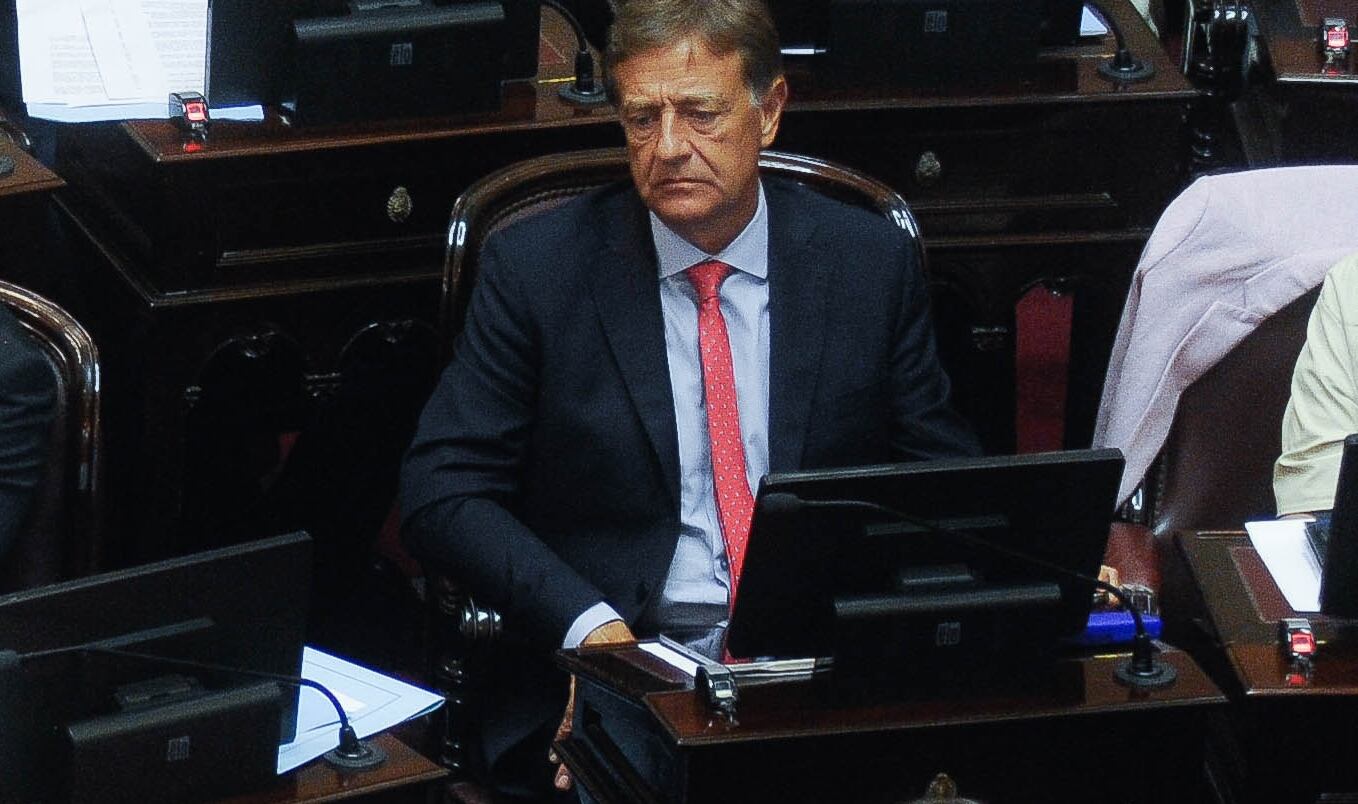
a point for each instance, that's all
(684, 215)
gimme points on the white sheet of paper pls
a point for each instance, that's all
(670, 657)
(1287, 554)
(1090, 24)
(88, 60)
(372, 701)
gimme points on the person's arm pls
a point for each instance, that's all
(925, 425)
(461, 475)
(1323, 407)
(27, 407)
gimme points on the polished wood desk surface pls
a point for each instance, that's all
(29, 176)
(1084, 685)
(1065, 73)
(318, 781)
(1244, 605)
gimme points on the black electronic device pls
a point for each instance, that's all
(1339, 561)
(910, 41)
(895, 566)
(69, 705)
(804, 25)
(11, 92)
(392, 61)
(247, 50)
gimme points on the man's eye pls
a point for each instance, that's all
(640, 120)
(702, 117)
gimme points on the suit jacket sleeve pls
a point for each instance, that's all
(925, 425)
(27, 400)
(462, 473)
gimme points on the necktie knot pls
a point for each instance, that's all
(707, 276)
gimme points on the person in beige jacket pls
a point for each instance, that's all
(1323, 408)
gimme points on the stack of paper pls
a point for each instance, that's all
(85, 60)
(1286, 552)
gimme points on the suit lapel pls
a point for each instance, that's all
(797, 292)
(626, 288)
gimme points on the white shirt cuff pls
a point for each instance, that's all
(591, 618)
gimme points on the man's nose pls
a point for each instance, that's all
(674, 141)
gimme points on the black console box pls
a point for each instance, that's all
(216, 744)
(915, 41)
(397, 62)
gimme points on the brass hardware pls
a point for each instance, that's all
(399, 205)
(928, 169)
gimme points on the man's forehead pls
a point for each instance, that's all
(686, 70)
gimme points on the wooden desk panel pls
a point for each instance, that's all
(405, 776)
(25, 197)
(1298, 107)
(1042, 741)
(1291, 735)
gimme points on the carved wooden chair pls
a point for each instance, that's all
(61, 538)
(458, 623)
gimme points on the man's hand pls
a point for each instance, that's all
(1108, 575)
(613, 632)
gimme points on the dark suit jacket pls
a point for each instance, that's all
(27, 407)
(545, 469)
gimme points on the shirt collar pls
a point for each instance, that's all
(749, 252)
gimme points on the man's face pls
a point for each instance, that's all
(693, 138)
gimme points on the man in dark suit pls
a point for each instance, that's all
(27, 406)
(634, 361)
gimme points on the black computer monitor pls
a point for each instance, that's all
(824, 577)
(927, 41)
(1339, 565)
(68, 718)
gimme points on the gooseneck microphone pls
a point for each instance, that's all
(585, 88)
(1123, 66)
(351, 753)
(1143, 669)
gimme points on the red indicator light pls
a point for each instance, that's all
(1303, 644)
(1296, 680)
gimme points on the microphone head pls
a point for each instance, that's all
(781, 503)
(8, 659)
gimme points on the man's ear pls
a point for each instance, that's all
(771, 110)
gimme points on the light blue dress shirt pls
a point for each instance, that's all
(698, 581)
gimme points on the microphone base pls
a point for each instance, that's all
(1161, 675)
(367, 756)
(571, 94)
(1137, 70)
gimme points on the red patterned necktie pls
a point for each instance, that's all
(735, 505)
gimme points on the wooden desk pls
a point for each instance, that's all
(25, 196)
(406, 776)
(1302, 108)
(1291, 736)
(233, 285)
(1049, 739)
